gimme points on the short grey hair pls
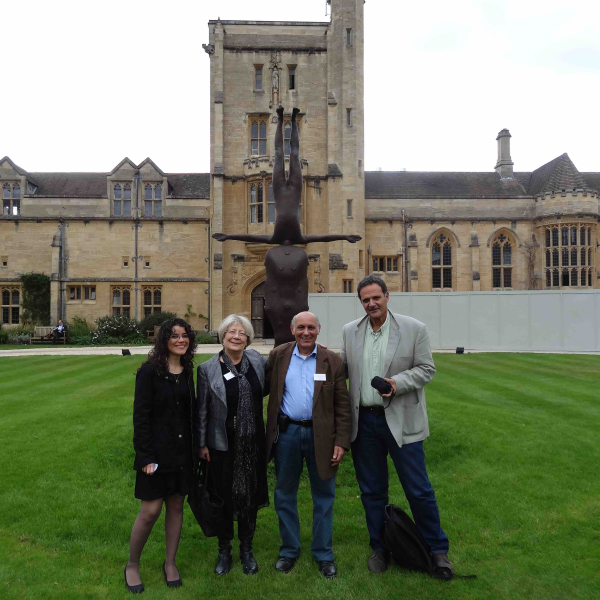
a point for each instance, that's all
(308, 311)
(230, 320)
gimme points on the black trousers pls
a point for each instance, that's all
(222, 469)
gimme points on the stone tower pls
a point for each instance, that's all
(256, 66)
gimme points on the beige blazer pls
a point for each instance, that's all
(408, 362)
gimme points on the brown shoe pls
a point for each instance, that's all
(441, 561)
(378, 562)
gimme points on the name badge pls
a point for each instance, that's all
(320, 377)
(228, 376)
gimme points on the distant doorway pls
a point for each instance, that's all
(262, 326)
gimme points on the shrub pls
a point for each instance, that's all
(118, 326)
(79, 327)
(3, 337)
(204, 338)
(17, 338)
(158, 318)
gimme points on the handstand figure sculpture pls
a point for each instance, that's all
(286, 283)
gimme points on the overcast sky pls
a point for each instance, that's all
(86, 83)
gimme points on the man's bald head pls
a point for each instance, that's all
(306, 312)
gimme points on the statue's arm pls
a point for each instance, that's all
(307, 239)
(242, 237)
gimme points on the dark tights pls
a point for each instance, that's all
(149, 512)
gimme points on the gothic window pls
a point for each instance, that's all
(349, 117)
(122, 200)
(258, 136)
(349, 209)
(287, 135)
(258, 72)
(152, 300)
(11, 203)
(348, 37)
(121, 301)
(572, 247)
(10, 305)
(441, 263)
(548, 258)
(153, 200)
(292, 74)
(502, 262)
(270, 203)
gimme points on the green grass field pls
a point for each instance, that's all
(514, 457)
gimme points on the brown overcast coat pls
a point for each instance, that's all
(332, 420)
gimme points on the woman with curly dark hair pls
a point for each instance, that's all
(164, 444)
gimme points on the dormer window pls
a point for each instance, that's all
(152, 200)
(11, 205)
(122, 200)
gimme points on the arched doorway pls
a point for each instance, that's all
(262, 326)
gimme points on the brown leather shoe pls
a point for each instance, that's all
(378, 562)
(442, 561)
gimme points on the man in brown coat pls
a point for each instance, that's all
(308, 418)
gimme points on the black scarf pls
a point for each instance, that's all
(244, 466)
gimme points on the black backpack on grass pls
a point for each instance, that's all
(405, 543)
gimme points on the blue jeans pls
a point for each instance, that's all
(292, 448)
(369, 452)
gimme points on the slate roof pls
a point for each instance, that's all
(93, 185)
(190, 185)
(248, 41)
(558, 174)
(436, 184)
(71, 185)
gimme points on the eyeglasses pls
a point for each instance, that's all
(234, 333)
(175, 336)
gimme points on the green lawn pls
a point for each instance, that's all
(514, 457)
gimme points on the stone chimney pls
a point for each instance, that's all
(504, 166)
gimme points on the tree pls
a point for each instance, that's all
(36, 298)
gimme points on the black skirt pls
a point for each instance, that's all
(161, 485)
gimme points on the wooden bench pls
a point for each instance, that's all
(43, 335)
(151, 334)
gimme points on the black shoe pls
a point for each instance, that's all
(249, 565)
(285, 564)
(134, 589)
(223, 565)
(378, 562)
(328, 568)
(172, 584)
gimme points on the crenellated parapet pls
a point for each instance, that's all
(565, 202)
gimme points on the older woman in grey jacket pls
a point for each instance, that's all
(232, 436)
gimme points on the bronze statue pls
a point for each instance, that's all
(286, 284)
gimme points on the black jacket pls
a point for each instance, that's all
(160, 426)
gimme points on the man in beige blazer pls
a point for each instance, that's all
(308, 419)
(394, 347)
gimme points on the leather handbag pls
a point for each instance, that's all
(207, 506)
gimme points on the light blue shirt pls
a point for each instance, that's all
(297, 401)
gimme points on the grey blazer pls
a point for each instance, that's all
(408, 362)
(212, 400)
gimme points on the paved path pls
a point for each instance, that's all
(115, 350)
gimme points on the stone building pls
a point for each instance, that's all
(137, 240)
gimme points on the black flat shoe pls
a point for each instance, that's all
(249, 565)
(285, 564)
(134, 589)
(328, 568)
(172, 584)
(223, 565)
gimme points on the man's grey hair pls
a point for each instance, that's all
(230, 320)
(313, 314)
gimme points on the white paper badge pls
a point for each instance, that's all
(228, 376)
(320, 377)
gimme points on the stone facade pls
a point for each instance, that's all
(501, 229)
